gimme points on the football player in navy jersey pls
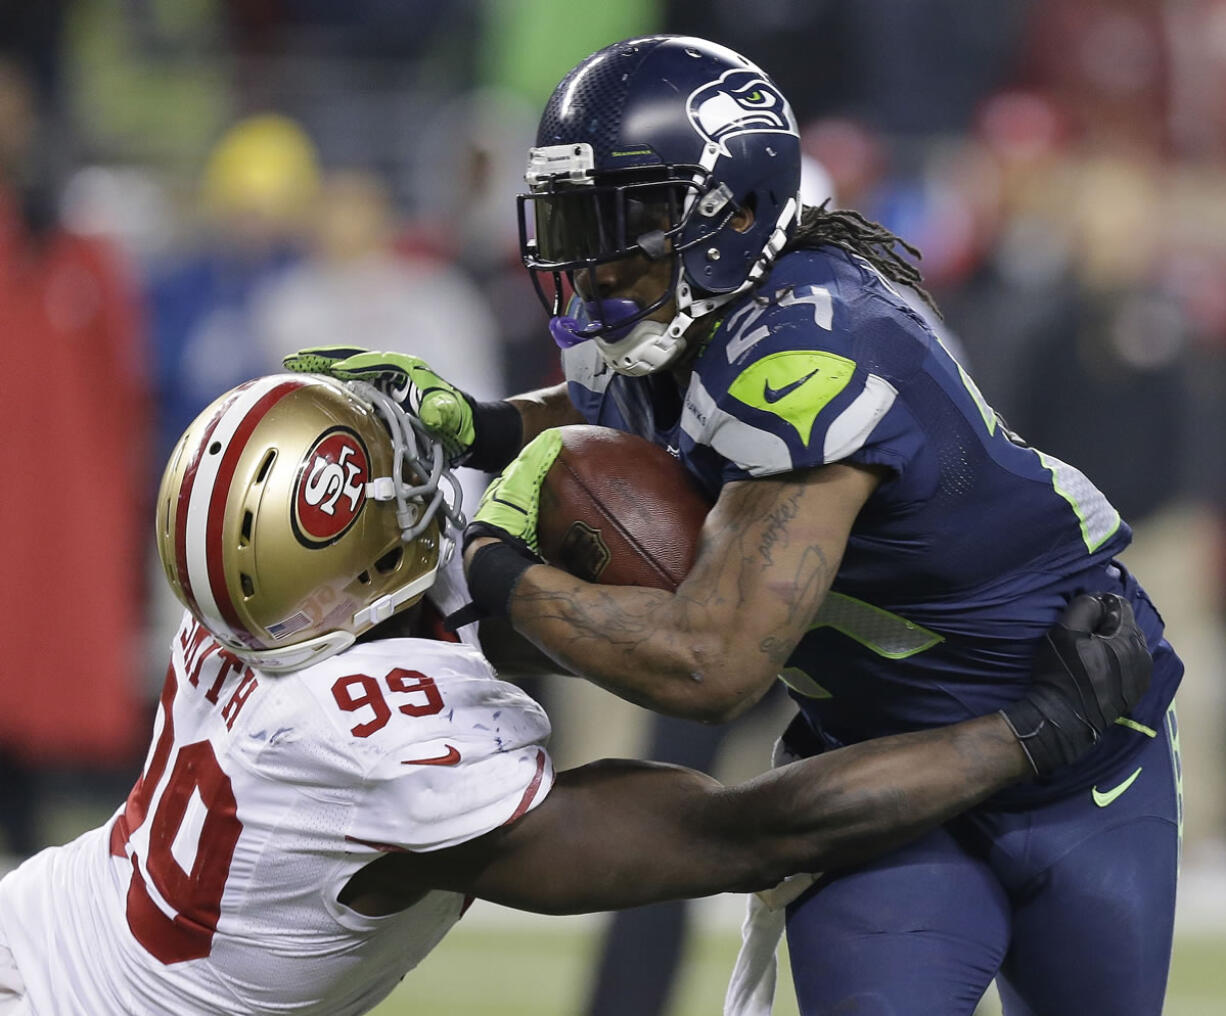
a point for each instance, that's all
(880, 540)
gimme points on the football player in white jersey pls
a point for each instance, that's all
(331, 779)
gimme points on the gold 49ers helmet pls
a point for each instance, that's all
(297, 512)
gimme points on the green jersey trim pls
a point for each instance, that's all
(1140, 728)
(1095, 514)
(885, 633)
(795, 385)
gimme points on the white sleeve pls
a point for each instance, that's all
(450, 592)
(485, 766)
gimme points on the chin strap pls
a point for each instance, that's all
(690, 309)
(648, 346)
(651, 345)
(640, 347)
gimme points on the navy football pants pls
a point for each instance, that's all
(1069, 905)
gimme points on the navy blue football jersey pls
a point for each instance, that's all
(960, 560)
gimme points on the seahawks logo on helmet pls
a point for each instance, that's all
(742, 101)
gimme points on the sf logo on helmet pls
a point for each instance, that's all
(740, 102)
(331, 487)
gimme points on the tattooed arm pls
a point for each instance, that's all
(545, 408)
(769, 551)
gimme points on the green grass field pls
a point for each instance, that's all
(540, 967)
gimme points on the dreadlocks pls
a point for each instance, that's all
(851, 231)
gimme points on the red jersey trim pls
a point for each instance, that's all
(526, 801)
(387, 848)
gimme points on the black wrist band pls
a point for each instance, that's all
(498, 435)
(493, 572)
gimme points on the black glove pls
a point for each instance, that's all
(1089, 670)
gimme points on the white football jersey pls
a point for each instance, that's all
(214, 889)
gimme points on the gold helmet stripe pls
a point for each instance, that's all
(200, 526)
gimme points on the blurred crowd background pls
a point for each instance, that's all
(190, 189)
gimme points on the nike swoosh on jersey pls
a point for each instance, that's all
(1104, 797)
(773, 395)
(449, 758)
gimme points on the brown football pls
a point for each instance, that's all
(619, 510)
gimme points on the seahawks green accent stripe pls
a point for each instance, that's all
(1172, 737)
(986, 411)
(711, 333)
(795, 385)
(1124, 721)
(800, 682)
(1098, 519)
(886, 634)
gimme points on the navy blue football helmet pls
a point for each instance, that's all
(651, 147)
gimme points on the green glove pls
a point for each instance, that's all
(445, 410)
(511, 504)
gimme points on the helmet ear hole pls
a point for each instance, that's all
(248, 585)
(266, 465)
(750, 205)
(390, 561)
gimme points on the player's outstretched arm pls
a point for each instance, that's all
(617, 834)
(484, 435)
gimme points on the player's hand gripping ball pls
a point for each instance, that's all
(511, 503)
(619, 510)
(603, 505)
